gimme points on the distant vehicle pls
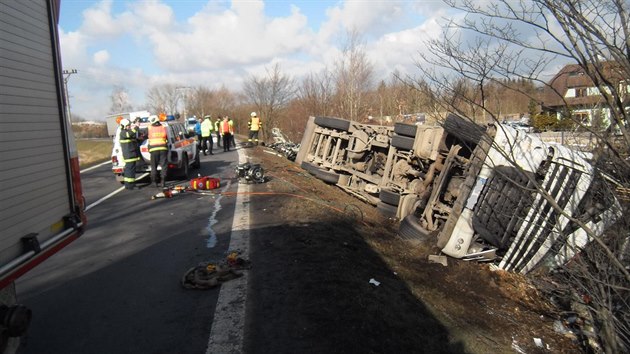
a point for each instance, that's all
(113, 120)
(183, 152)
(520, 126)
(42, 204)
(190, 123)
(469, 188)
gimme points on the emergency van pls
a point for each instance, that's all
(183, 152)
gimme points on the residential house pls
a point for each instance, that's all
(572, 91)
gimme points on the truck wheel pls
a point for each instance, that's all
(410, 229)
(197, 163)
(402, 142)
(406, 129)
(389, 197)
(464, 129)
(387, 209)
(333, 123)
(309, 167)
(327, 176)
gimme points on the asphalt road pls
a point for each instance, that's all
(117, 288)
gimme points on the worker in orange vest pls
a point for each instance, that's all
(158, 147)
(226, 131)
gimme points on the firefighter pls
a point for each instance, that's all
(226, 131)
(254, 126)
(158, 147)
(128, 139)
(206, 135)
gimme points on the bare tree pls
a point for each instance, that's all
(120, 100)
(316, 93)
(353, 78)
(504, 40)
(270, 94)
(164, 98)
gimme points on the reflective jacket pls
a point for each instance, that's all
(226, 127)
(157, 138)
(206, 128)
(129, 144)
(254, 124)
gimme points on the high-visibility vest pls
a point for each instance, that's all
(206, 128)
(157, 138)
(254, 124)
(225, 127)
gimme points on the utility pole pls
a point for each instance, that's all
(67, 73)
(185, 89)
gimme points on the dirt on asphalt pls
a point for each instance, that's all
(330, 275)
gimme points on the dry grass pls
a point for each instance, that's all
(93, 151)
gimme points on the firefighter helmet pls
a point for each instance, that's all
(153, 119)
(125, 122)
(253, 114)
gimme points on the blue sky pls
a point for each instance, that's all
(138, 44)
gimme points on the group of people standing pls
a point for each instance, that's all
(224, 128)
(158, 143)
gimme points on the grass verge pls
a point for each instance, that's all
(93, 151)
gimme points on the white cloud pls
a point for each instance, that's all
(101, 57)
(223, 43)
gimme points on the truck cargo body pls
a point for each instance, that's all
(41, 203)
(490, 193)
(113, 120)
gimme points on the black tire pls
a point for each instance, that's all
(197, 163)
(402, 142)
(184, 172)
(406, 129)
(464, 129)
(387, 209)
(309, 167)
(333, 123)
(410, 229)
(389, 197)
(326, 176)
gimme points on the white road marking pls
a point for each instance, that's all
(226, 335)
(111, 194)
(96, 166)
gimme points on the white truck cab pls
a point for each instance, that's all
(183, 152)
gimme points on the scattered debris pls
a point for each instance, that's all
(168, 193)
(250, 173)
(438, 259)
(207, 275)
(538, 342)
(283, 145)
(374, 282)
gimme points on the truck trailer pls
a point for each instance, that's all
(42, 206)
(488, 193)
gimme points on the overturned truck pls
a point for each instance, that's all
(491, 193)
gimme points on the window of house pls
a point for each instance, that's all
(581, 92)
